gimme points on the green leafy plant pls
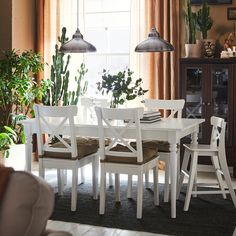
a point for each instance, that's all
(59, 93)
(204, 21)
(7, 139)
(18, 88)
(191, 21)
(121, 87)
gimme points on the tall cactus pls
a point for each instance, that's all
(204, 21)
(190, 18)
(59, 93)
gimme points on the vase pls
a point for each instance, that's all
(192, 50)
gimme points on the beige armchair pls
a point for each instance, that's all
(26, 206)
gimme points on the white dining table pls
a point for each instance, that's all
(168, 129)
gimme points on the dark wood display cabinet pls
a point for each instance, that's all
(208, 87)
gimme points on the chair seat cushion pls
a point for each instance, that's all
(85, 147)
(149, 153)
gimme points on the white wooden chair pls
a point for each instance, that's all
(121, 156)
(68, 152)
(89, 116)
(216, 151)
(175, 108)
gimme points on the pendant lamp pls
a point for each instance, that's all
(154, 43)
(77, 44)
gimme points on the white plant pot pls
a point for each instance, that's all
(192, 50)
(16, 158)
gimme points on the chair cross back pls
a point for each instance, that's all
(218, 132)
(43, 114)
(175, 106)
(106, 119)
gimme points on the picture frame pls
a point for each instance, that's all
(211, 2)
(231, 13)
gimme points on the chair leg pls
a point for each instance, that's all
(216, 165)
(167, 181)
(129, 188)
(117, 187)
(156, 187)
(60, 182)
(95, 166)
(41, 169)
(81, 176)
(140, 195)
(193, 168)
(110, 180)
(225, 170)
(102, 190)
(74, 188)
(183, 168)
(195, 184)
(147, 179)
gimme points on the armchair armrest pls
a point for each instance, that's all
(49, 232)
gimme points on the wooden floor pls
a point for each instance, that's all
(89, 230)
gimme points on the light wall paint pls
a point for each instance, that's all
(23, 24)
(17, 24)
(221, 26)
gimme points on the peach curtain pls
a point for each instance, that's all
(160, 71)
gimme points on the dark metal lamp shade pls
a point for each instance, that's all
(77, 44)
(154, 43)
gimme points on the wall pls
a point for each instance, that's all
(5, 24)
(23, 24)
(17, 24)
(221, 26)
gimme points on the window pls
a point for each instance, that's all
(107, 27)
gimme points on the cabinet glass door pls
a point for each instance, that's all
(194, 93)
(220, 93)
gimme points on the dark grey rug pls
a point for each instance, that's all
(208, 214)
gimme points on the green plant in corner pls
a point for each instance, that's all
(121, 87)
(204, 21)
(191, 20)
(19, 89)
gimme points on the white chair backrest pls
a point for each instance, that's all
(175, 106)
(218, 132)
(107, 127)
(88, 104)
(50, 120)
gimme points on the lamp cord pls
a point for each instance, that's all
(77, 14)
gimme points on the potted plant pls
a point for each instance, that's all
(121, 87)
(192, 49)
(204, 23)
(59, 94)
(18, 92)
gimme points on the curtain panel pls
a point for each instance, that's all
(160, 71)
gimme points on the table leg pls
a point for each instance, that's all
(173, 177)
(194, 138)
(28, 147)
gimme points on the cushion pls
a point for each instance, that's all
(149, 153)
(27, 204)
(85, 147)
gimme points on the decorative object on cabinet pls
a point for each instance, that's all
(207, 86)
(231, 13)
(192, 49)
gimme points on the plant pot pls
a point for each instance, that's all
(193, 50)
(209, 46)
(16, 158)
